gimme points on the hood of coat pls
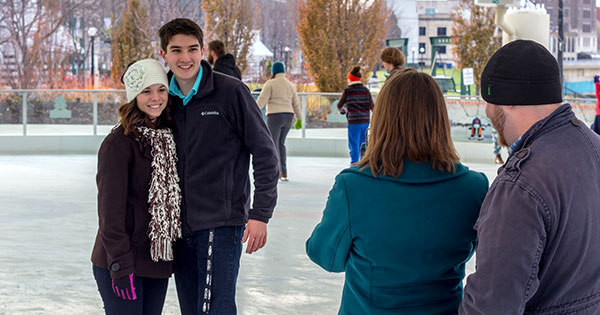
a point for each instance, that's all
(414, 173)
(226, 61)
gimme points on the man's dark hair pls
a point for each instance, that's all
(218, 47)
(179, 26)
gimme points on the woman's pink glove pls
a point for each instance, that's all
(123, 287)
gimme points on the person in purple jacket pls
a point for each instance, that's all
(538, 250)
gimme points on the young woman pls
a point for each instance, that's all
(138, 198)
(400, 222)
(281, 99)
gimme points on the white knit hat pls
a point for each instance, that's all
(142, 74)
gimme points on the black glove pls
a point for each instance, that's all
(123, 287)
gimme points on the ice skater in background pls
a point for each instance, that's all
(138, 198)
(596, 124)
(356, 102)
(476, 129)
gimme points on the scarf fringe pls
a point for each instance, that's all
(164, 195)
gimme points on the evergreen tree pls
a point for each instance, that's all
(476, 42)
(336, 35)
(131, 38)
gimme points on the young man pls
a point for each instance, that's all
(217, 127)
(222, 62)
(538, 232)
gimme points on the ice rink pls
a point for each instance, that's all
(48, 223)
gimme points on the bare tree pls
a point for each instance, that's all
(278, 27)
(34, 41)
(162, 11)
(474, 41)
(339, 34)
(232, 22)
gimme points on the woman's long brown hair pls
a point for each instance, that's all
(410, 121)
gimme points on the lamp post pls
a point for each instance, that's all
(286, 52)
(413, 55)
(92, 33)
(422, 53)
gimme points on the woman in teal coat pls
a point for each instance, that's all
(400, 222)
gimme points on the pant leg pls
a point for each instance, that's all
(597, 124)
(186, 276)
(495, 139)
(226, 252)
(227, 249)
(286, 124)
(114, 305)
(363, 134)
(155, 292)
(353, 142)
(275, 129)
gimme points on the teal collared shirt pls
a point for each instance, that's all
(174, 88)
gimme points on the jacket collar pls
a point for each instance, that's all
(561, 116)
(414, 173)
(206, 83)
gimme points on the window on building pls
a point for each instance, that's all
(566, 27)
(441, 49)
(586, 42)
(422, 31)
(430, 11)
(586, 28)
(566, 13)
(441, 31)
(587, 1)
(587, 14)
(549, 12)
(422, 48)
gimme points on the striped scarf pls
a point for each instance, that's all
(164, 196)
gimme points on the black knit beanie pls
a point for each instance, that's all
(522, 72)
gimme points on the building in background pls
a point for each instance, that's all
(408, 22)
(434, 21)
(579, 26)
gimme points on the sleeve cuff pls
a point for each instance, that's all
(122, 266)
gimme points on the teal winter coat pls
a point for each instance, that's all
(403, 242)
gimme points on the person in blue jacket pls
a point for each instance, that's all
(400, 222)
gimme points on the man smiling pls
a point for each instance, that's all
(217, 127)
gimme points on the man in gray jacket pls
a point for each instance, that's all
(538, 230)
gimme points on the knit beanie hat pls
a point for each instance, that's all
(522, 72)
(354, 75)
(277, 67)
(142, 74)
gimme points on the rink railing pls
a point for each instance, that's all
(321, 105)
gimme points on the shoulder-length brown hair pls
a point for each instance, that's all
(130, 116)
(410, 120)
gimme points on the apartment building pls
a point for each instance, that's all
(434, 21)
(579, 26)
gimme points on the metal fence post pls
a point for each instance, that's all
(304, 122)
(95, 113)
(24, 112)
